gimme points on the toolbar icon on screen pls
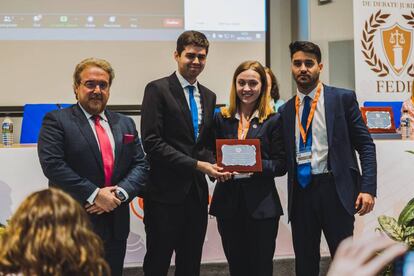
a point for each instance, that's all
(63, 19)
(37, 17)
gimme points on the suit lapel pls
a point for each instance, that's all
(329, 111)
(254, 129)
(178, 95)
(117, 134)
(234, 128)
(290, 120)
(230, 128)
(204, 107)
(87, 133)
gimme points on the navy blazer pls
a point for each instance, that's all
(347, 133)
(259, 191)
(70, 158)
(168, 139)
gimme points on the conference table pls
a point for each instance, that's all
(21, 174)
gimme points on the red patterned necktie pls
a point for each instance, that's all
(106, 150)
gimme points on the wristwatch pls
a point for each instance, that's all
(120, 195)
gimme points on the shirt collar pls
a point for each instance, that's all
(254, 115)
(184, 83)
(311, 94)
(102, 114)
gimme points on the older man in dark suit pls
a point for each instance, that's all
(176, 126)
(96, 156)
(323, 129)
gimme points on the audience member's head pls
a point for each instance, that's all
(50, 234)
(272, 85)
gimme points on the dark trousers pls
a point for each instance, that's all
(317, 208)
(115, 249)
(248, 243)
(175, 227)
(114, 255)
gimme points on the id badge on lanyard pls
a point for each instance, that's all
(304, 155)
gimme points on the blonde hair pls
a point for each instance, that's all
(92, 62)
(50, 234)
(263, 104)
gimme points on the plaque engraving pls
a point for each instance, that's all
(379, 119)
(239, 155)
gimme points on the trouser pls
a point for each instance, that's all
(175, 227)
(248, 243)
(317, 208)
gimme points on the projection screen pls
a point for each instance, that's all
(41, 41)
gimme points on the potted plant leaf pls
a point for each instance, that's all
(401, 230)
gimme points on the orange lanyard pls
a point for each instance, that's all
(304, 133)
(241, 133)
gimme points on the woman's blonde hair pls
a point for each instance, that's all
(50, 234)
(263, 104)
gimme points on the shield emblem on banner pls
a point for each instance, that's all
(396, 42)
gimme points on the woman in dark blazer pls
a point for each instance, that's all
(248, 207)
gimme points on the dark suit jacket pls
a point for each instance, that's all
(70, 158)
(347, 133)
(259, 191)
(168, 139)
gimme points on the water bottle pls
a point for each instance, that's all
(405, 127)
(7, 132)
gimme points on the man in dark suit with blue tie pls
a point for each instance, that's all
(323, 129)
(176, 126)
(96, 156)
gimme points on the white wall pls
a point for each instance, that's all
(280, 33)
(330, 22)
(333, 21)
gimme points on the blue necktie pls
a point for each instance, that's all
(194, 110)
(305, 170)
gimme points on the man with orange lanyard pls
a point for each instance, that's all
(322, 129)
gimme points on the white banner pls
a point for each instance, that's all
(384, 54)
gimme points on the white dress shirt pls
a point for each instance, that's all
(319, 162)
(105, 124)
(197, 97)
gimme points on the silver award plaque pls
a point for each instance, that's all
(238, 155)
(378, 120)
